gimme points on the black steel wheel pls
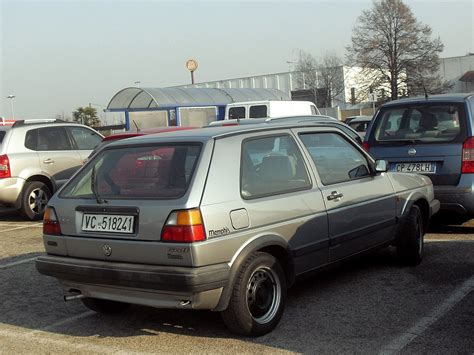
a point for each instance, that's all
(410, 239)
(258, 296)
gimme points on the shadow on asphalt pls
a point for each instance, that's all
(467, 228)
(366, 290)
(10, 215)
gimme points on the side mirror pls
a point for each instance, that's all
(381, 166)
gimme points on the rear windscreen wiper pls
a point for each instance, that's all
(93, 188)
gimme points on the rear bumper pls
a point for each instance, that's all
(10, 191)
(434, 207)
(455, 199)
(149, 277)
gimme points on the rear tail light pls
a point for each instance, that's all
(50, 222)
(184, 226)
(468, 156)
(5, 171)
(366, 146)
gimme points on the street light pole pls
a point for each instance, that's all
(11, 97)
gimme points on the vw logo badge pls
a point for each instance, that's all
(107, 249)
(412, 151)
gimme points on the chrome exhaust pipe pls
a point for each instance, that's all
(73, 296)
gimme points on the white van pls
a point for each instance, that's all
(261, 109)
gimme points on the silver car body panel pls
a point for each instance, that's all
(310, 229)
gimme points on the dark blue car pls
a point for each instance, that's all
(431, 136)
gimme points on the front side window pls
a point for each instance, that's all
(148, 172)
(272, 165)
(236, 112)
(47, 139)
(258, 111)
(426, 123)
(335, 158)
(85, 139)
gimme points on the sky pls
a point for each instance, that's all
(56, 56)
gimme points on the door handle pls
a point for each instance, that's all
(48, 161)
(335, 196)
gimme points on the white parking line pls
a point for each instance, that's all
(21, 227)
(19, 262)
(424, 323)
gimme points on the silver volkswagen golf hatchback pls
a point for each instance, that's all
(226, 219)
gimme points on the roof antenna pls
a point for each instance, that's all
(136, 126)
(423, 85)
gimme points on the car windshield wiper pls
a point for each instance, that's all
(93, 188)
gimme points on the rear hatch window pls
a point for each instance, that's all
(424, 138)
(433, 123)
(2, 135)
(136, 172)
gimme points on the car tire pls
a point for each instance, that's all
(410, 238)
(258, 296)
(34, 197)
(105, 306)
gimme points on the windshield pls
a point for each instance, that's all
(148, 172)
(426, 123)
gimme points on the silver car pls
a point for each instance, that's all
(37, 157)
(226, 219)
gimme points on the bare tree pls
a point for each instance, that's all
(324, 76)
(390, 42)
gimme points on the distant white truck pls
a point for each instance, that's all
(262, 109)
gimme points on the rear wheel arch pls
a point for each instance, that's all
(45, 180)
(271, 244)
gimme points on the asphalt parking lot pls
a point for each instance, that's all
(370, 305)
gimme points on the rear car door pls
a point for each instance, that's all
(57, 157)
(424, 138)
(361, 205)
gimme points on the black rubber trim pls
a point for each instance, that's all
(342, 238)
(150, 277)
(311, 248)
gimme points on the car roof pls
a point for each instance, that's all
(455, 97)
(360, 119)
(124, 135)
(214, 132)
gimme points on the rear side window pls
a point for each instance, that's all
(236, 112)
(270, 166)
(258, 111)
(47, 139)
(85, 138)
(359, 126)
(435, 123)
(150, 172)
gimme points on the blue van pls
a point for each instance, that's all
(431, 136)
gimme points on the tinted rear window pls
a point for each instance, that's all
(145, 172)
(2, 135)
(435, 123)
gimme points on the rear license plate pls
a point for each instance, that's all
(425, 168)
(107, 223)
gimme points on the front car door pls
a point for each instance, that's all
(361, 205)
